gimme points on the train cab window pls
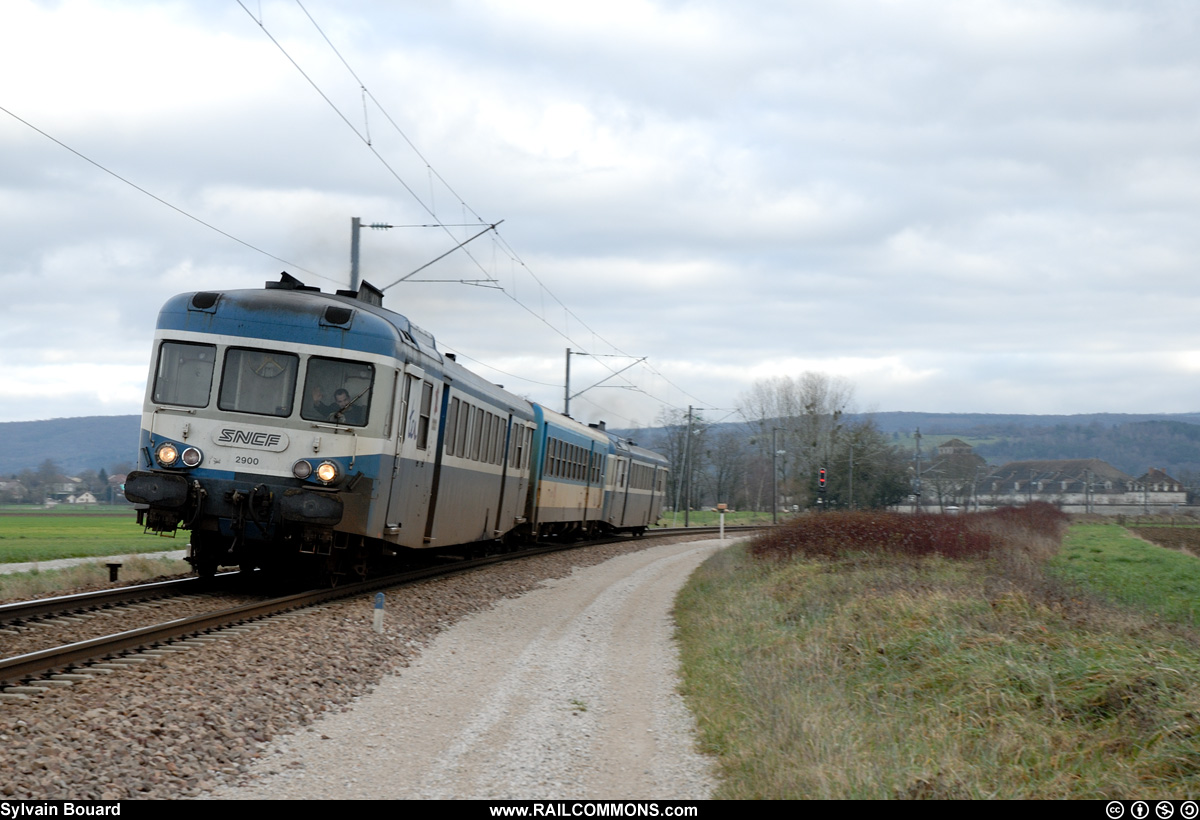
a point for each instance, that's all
(184, 374)
(337, 390)
(258, 381)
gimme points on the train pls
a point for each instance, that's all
(294, 430)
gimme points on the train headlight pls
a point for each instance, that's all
(301, 469)
(327, 471)
(167, 454)
(191, 457)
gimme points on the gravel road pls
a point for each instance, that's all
(568, 691)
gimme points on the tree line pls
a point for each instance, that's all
(48, 481)
(788, 429)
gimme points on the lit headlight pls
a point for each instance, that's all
(301, 469)
(327, 471)
(167, 454)
(191, 457)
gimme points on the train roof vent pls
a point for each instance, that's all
(370, 294)
(366, 293)
(337, 316)
(289, 282)
(205, 300)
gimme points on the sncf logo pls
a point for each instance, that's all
(246, 437)
(250, 439)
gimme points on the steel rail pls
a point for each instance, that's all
(44, 661)
(83, 601)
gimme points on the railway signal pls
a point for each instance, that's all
(821, 479)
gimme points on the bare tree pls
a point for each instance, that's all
(687, 458)
(801, 420)
(799, 426)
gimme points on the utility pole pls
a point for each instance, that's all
(567, 386)
(917, 495)
(774, 476)
(567, 396)
(687, 446)
(355, 229)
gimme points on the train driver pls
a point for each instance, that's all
(343, 409)
(346, 411)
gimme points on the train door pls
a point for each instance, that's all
(595, 484)
(519, 464)
(413, 469)
(504, 517)
(621, 498)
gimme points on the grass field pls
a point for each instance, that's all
(711, 518)
(1123, 567)
(881, 668)
(48, 534)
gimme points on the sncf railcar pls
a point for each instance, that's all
(289, 428)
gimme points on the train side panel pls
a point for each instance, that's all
(483, 450)
(568, 474)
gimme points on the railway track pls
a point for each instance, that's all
(31, 672)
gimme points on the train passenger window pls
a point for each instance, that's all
(498, 442)
(337, 390)
(387, 408)
(184, 374)
(489, 436)
(464, 430)
(426, 413)
(477, 433)
(258, 381)
(451, 422)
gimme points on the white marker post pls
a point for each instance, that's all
(721, 510)
(378, 626)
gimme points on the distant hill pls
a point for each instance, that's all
(992, 424)
(77, 444)
(1131, 442)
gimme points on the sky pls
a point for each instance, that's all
(958, 205)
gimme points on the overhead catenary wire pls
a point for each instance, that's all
(160, 200)
(503, 243)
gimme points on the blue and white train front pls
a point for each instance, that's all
(266, 448)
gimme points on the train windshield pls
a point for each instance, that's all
(338, 390)
(258, 381)
(184, 374)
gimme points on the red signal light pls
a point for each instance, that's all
(821, 477)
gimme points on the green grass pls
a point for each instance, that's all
(1107, 559)
(44, 537)
(67, 509)
(711, 518)
(869, 675)
(20, 586)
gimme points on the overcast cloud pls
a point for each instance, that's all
(961, 206)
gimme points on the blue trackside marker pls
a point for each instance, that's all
(379, 612)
